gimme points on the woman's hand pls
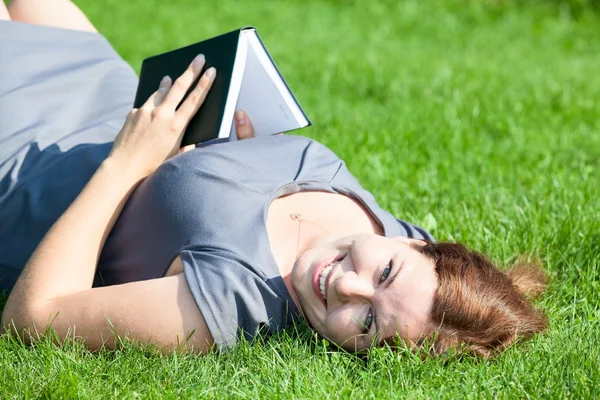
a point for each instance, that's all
(153, 133)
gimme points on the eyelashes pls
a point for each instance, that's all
(368, 322)
(386, 272)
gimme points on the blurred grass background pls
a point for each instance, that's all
(478, 120)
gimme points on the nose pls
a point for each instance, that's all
(350, 286)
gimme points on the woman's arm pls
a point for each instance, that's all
(55, 286)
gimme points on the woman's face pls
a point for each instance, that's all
(361, 289)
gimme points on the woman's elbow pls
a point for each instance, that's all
(21, 321)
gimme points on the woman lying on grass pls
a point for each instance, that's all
(109, 228)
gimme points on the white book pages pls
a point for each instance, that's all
(237, 76)
(263, 94)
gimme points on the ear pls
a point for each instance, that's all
(410, 241)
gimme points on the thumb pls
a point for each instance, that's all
(243, 126)
(187, 148)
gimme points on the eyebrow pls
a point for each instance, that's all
(387, 284)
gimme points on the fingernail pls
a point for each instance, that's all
(199, 59)
(210, 72)
(165, 80)
(240, 118)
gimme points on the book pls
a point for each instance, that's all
(247, 78)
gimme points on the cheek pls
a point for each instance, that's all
(347, 338)
(339, 328)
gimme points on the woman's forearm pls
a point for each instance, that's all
(65, 260)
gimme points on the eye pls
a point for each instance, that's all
(386, 272)
(368, 322)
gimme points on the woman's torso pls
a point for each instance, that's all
(228, 196)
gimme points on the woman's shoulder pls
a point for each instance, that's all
(282, 157)
(272, 145)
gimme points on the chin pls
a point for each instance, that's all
(298, 277)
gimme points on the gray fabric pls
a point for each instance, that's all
(208, 206)
(64, 95)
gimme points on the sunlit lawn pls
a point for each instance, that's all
(477, 119)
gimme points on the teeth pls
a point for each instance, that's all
(323, 278)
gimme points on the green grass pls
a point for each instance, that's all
(476, 119)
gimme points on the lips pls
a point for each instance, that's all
(318, 270)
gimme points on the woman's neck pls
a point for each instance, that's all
(304, 220)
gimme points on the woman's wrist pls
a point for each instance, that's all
(124, 170)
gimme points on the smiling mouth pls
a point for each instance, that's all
(324, 278)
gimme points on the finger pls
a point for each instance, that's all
(157, 97)
(163, 89)
(187, 148)
(195, 99)
(183, 83)
(243, 127)
(131, 117)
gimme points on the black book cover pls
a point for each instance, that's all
(220, 52)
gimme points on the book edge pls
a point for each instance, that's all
(239, 65)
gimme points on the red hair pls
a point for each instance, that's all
(478, 308)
